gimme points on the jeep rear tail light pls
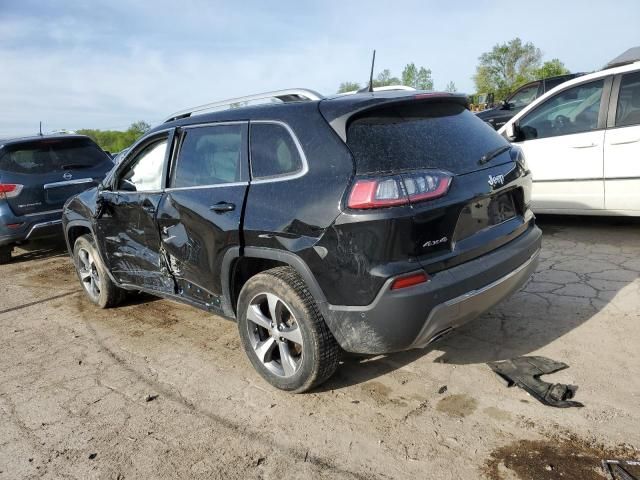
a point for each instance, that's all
(398, 189)
(9, 190)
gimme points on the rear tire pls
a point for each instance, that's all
(5, 254)
(283, 333)
(93, 275)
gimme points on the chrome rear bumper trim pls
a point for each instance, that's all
(42, 225)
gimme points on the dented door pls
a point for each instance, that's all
(200, 214)
(195, 238)
(127, 231)
(131, 241)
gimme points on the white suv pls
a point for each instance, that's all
(582, 144)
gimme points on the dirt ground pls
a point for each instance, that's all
(155, 389)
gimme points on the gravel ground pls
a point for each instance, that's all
(155, 389)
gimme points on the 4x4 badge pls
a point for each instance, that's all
(495, 180)
(431, 243)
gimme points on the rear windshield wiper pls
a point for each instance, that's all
(493, 154)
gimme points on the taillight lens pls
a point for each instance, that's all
(9, 190)
(398, 189)
(409, 280)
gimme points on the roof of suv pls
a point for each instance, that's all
(331, 108)
(36, 138)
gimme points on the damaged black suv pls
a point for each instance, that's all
(371, 222)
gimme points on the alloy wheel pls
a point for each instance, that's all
(274, 334)
(88, 271)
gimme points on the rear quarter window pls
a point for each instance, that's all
(430, 135)
(274, 153)
(47, 156)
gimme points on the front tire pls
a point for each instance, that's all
(93, 276)
(283, 332)
(5, 254)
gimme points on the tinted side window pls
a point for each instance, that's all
(273, 151)
(525, 96)
(145, 172)
(628, 111)
(209, 156)
(574, 110)
(550, 84)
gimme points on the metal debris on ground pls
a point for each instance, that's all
(622, 469)
(525, 373)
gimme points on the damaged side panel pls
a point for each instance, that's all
(130, 239)
(195, 237)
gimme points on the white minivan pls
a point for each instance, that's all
(581, 141)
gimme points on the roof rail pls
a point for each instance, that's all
(284, 96)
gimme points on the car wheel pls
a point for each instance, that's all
(5, 254)
(283, 332)
(94, 279)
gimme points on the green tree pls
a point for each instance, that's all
(551, 68)
(415, 77)
(385, 78)
(409, 74)
(348, 87)
(424, 80)
(140, 127)
(506, 66)
(116, 140)
(412, 76)
(451, 87)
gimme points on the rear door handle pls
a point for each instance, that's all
(222, 207)
(624, 142)
(586, 145)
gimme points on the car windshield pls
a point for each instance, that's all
(44, 156)
(524, 97)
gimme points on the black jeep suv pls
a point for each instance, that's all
(37, 175)
(372, 222)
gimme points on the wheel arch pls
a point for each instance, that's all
(75, 229)
(238, 267)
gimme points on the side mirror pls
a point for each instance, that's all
(505, 105)
(127, 186)
(512, 132)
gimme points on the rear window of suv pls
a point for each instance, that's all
(44, 156)
(441, 135)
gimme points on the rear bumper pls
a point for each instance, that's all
(413, 317)
(30, 227)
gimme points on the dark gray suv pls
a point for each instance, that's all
(37, 175)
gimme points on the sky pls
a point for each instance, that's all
(93, 64)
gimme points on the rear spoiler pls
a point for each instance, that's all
(337, 111)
